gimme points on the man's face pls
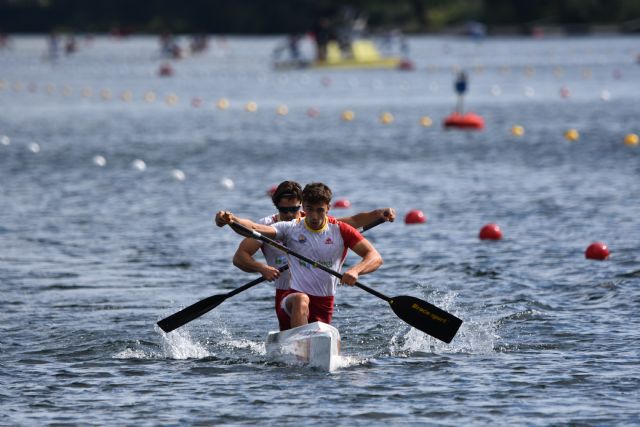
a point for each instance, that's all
(287, 209)
(315, 214)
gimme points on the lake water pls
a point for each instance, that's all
(94, 250)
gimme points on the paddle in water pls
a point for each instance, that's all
(420, 314)
(201, 307)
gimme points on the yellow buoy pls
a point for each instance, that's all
(150, 96)
(631, 139)
(282, 110)
(426, 121)
(127, 96)
(348, 115)
(572, 135)
(223, 103)
(171, 99)
(386, 118)
(517, 130)
(251, 107)
(105, 94)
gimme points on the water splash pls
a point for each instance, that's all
(179, 345)
(343, 361)
(132, 353)
(228, 340)
(474, 336)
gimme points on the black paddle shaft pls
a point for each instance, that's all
(418, 313)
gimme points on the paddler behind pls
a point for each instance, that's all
(319, 237)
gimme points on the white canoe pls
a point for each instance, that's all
(316, 344)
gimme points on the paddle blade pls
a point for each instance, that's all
(194, 311)
(426, 317)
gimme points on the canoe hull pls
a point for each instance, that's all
(316, 345)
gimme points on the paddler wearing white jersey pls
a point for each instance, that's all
(315, 300)
(287, 198)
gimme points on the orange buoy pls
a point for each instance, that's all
(598, 251)
(468, 121)
(490, 232)
(342, 204)
(415, 216)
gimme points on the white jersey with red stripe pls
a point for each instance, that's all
(275, 257)
(328, 246)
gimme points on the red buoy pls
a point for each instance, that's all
(490, 232)
(468, 121)
(165, 70)
(415, 216)
(597, 250)
(271, 190)
(406, 65)
(342, 204)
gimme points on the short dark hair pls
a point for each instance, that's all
(287, 190)
(316, 192)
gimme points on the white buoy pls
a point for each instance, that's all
(178, 175)
(227, 183)
(139, 165)
(34, 147)
(529, 92)
(605, 95)
(496, 90)
(5, 140)
(99, 160)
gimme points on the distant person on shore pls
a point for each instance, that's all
(460, 87)
(53, 46)
(71, 46)
(322, 35)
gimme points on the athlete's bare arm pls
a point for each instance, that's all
(243, 259)
(371, 261)
(363, 219)
(225, 217)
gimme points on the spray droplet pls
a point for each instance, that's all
(99, 160)
(227, 183)
(139, 165)
(178, 175)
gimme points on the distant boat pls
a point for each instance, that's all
(361, 54)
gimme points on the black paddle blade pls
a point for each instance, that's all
(187, 314)
(426, 317)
